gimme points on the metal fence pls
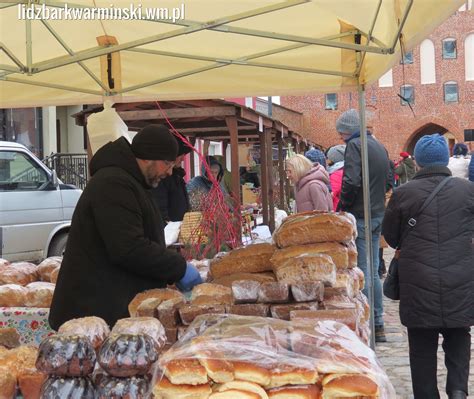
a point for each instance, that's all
(70, 168)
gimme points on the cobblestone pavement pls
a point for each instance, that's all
(394, 353)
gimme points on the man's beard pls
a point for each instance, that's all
(151, 179)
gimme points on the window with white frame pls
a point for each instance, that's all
(331, 101)
(408, 95)
(449, 49)
(469, 56)
(451, 92)
(386, 80)
(427, 62)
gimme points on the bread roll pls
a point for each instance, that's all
(251, 372)
(7, 384)
(242, 386)
(186, 371)
(164, 389)
(218, 370)
(39, 294)
(30, 384)
(94, 328)
(20, 360)
(12, 295)
(21, 273)
(258, 277)
(349, 385)
(210, 289)
(253, 258)
(9, 338)
(314, 227)
(235, 394)
(142, 325)
(54, 275)
(159, 293)
(338, 253)
(295, 392)
(289, 375)
(319, 267)
(46, 267)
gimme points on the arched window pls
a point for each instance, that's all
(387, 79)
(469, 56)
(451, 92)
(408, 94)
(427, 62)
(449, 49)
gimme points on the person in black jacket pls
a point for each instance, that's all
(436, 269)
(116, 246)
(352, 200)
(171, 196)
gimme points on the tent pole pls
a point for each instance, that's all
(367, 217)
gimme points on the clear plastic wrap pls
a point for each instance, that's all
(68, 388)
(94, 328)
(21, 273)
(315, 227)
(142, 325)
(308, 291)
(12, 295)
(46, 267)
(245, 291)
(271, 353)
(123, 388)
(317, 267)
(71, 356)
(127, 355)
(39, 294)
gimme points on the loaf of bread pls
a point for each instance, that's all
(54, 275)
(283, 311)
(338, 253)
(94, 328)
(245, 291)
(21, 273)
(210, 290)
(319, 267)
(277, 292)
(188, 313)
(249, 309)
(167, 312)
(349, 385)
(9, 338)
(164, 389)
(295, 392)
(352, 253)
(46, 267)
(126, 388)
(242, 386)
(253, 258)
(30, 384)
(186, 371)
(7, 384)
(162, 294)
(308, 291)
(148, 307)
(314, 227)
(347, 283)
(12, 295)
(20, 360)
(265, 277)
(344, 316)
(39, 294)
(3, 262)
(70, 388)
(213, 300)
(71, 356)
(142, 325)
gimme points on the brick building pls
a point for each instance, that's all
(436, 77)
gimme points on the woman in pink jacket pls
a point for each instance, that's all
(311, 184)
(335, 157)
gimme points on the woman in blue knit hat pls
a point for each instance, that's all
(436, 268)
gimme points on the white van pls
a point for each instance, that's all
(35, 207)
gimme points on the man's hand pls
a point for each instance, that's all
(190, 279)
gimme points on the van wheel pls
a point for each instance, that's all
(58, 245)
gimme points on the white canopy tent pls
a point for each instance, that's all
(216, 49)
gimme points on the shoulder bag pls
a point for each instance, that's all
(391, 285)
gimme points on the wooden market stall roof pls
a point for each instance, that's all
(218, 120)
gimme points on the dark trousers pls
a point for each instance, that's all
(423, 343)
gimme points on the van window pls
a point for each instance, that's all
(18, 172)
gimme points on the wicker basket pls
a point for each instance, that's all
(190, 233)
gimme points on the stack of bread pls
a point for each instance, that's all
(319, 247)
(87, 360)
(240, 357)
(17, 368)
(26, 284)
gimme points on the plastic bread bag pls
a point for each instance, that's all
(314, 227)
(271, 353)
(142, 325)
(172, 230)
(94, 328)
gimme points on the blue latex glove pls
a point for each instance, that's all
(190, 279)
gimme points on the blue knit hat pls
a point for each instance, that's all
(315, 155)
(432, 150)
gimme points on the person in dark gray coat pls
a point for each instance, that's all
(436, 269)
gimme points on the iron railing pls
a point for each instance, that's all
(70, 168)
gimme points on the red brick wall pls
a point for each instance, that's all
(393, 124)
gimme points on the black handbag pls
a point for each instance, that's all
(391, 285)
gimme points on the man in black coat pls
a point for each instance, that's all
(436, 268)
(171, 196)
(352, 200)
(116, 246)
